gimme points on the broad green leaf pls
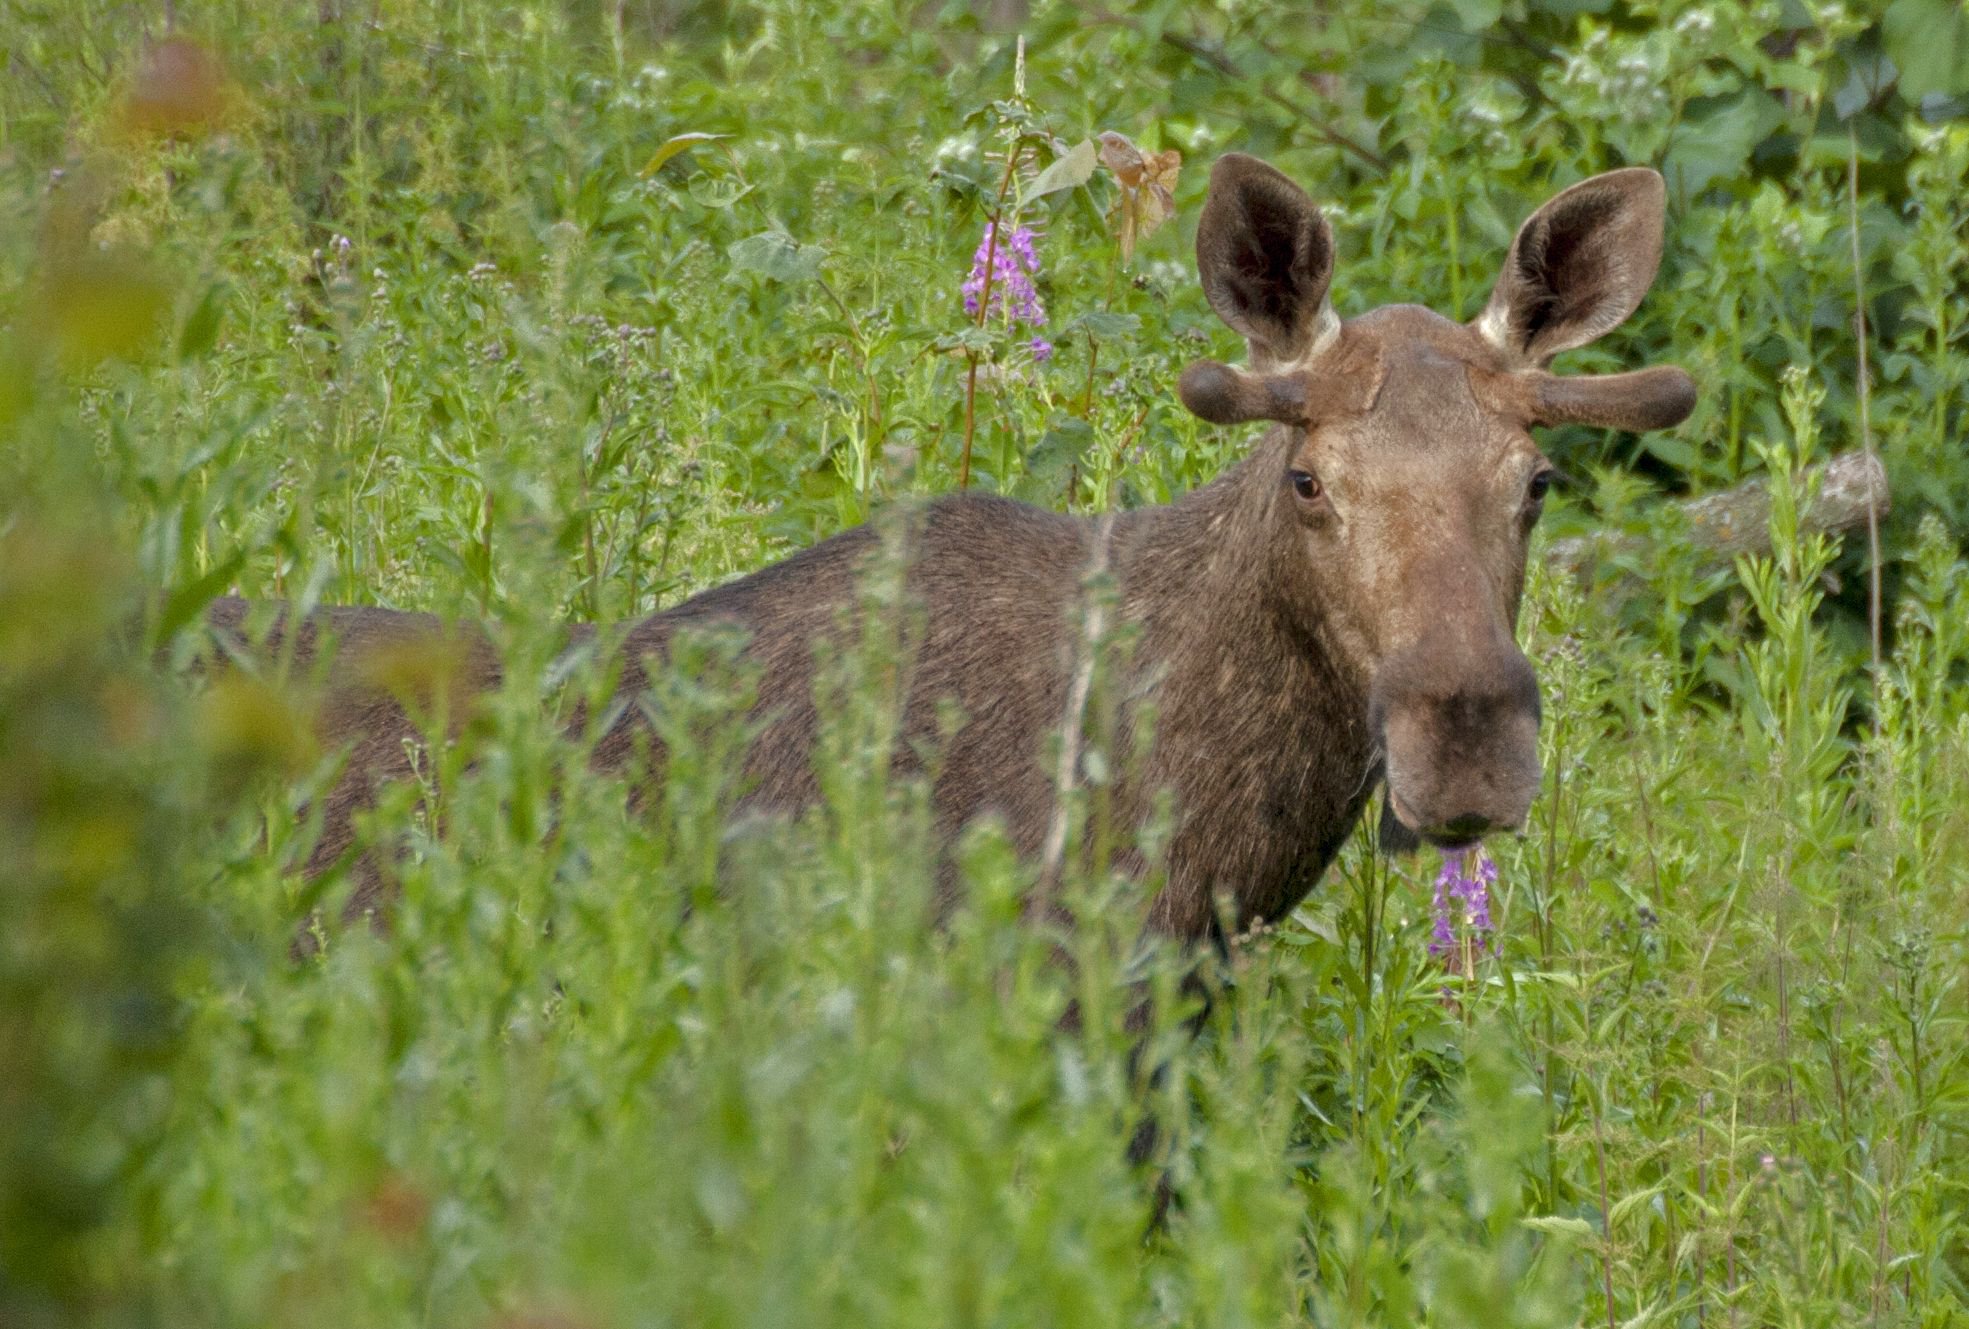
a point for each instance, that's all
(187, 600)
(777, 255)
(713, 193)
(1929, 40)
(970, 337)
(1477, 15)
(1717, 141)
(1069, 171)
(1554, 1225)
(1051, 460)
(1103, 325)
(201, 328)
(1868, 79)
(671, 147)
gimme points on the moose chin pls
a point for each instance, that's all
(1338, 606)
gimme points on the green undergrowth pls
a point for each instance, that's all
(541, 313)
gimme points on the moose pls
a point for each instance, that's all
(1335, 611)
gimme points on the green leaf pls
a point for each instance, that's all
(1553, 1225)
(1477, 15)
(1929, 40)
(671, 147)
(1869, 78)
(713, 193)
(1052, 459)
(201, 328)
(1677, 452)
(1103, 325)
(970, 337)
(1717, 144)
(189, 599)
(776, 255)
(1067, 172)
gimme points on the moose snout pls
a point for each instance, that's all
(1460, 740)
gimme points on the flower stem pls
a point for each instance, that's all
(970, 400)
(984, 308)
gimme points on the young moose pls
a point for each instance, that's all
(1336, 608)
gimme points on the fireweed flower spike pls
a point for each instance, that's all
(1466, 879)
(1014, 262)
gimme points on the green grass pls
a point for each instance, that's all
(426, 335)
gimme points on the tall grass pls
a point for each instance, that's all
(413, 325)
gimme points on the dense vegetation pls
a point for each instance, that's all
(554, 309)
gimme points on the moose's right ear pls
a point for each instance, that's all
(1265, 256)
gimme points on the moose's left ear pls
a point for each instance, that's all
(1578, 267)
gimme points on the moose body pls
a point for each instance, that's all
(1336, 610)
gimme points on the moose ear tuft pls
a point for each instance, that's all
(1578, 267)
(1264, 253)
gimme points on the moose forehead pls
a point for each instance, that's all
(1403, 376)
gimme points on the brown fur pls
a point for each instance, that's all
(1295, 649)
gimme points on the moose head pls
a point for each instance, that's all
(1407, 481)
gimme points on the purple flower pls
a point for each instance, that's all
(1042, 350)
(1012, 265)
(1466, 878)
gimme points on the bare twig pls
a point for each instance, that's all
(1852, 490)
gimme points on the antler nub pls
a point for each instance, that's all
(1224, 395)
(1653, 398)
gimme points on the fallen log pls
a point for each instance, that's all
(1737, 521)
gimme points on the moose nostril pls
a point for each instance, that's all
(1468, 826)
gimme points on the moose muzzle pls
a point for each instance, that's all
(1459, 730)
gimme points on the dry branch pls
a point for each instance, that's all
(1737, 521)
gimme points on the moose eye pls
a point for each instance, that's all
(1540, 484)
(1306, 485)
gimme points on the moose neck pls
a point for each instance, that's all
(1263, 730)
(1223, 562)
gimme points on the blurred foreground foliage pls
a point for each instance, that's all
(541, 311)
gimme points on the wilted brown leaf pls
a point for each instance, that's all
(1148, 188)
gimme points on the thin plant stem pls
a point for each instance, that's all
(970, 416)
(1053, 856)
(1120, 456)
(1866, 420)
(872, 421)
(984, 309)
(485, 545)
(1606, 1208)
